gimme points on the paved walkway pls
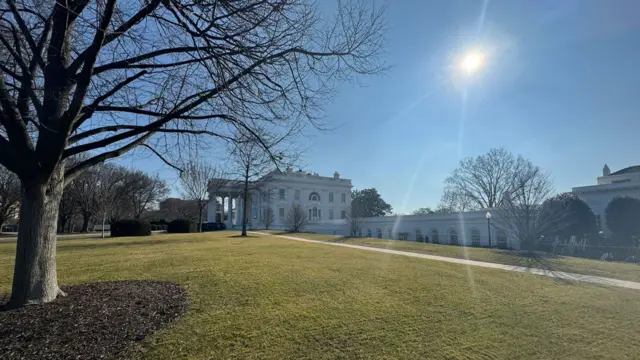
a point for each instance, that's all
(555, 274)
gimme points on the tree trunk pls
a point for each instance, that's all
(200, 211)
(34, 278)
(244, 205)
(85, 222)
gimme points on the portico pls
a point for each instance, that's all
(228, 194)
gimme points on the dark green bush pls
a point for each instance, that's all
(130, 227)
(180, 226)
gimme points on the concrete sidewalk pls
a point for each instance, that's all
(554, 274)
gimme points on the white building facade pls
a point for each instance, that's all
(625, 182)
(325, 200)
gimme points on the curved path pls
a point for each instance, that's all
(555, 274)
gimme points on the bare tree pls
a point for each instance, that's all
(454, 200)
(251, 164)
(107, 77)
(110, 187)
(9, 195)
(67, 210)
(195, 180)
(269, 218)
(520, 211)
(84, 195)
(296, 218)
(354, 219)
(482, 182)
(143, 191)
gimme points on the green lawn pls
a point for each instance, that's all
(562, 263)
(269, 298)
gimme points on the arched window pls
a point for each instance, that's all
(379, 234)
(419, 235)
(359, 232)
(390, 234)
(368, 232)
(501, 237)
(453, 237)
(314, 196)
(475, 237)
(434, 236)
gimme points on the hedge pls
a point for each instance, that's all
(180, 226)
(130, 227)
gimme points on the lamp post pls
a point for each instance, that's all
(488, 216)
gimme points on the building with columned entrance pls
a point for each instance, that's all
(324, 199)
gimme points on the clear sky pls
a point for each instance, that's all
(560, 85)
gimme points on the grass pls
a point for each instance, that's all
(269, 298)
(614, 270)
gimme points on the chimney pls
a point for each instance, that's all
(289, 170)
(336, 175)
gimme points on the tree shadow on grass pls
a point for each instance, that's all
(540, 260)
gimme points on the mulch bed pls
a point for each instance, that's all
(94, 321)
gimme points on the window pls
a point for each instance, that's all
(297, 195)
(368, 232)
(390, 234)
(344, 197)
(330, 214)
(379, 233)
(281, 194)
(453, 237)
(434, 236)
(314, 196)
(281, 213)
(359, 232)
(330, 197)
(403, 236)
(475, 237)
(501, 236)
(343, 214)
(315, 214)
(598, 222)
(419, 235)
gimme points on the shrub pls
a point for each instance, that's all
(130, 227)
(180, 226)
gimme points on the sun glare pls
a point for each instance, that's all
(472, 61)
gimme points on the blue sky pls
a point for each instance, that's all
(560, 86)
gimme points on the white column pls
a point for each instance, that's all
(212, 208)
(230, 212)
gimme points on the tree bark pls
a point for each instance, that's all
(35, 278)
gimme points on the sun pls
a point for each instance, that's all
(472, 61)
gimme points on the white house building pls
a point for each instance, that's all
(625, 182)
(325, 199)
